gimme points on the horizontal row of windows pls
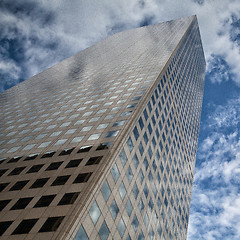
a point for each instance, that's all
(44, 201)
(39, 183)
(53, 166)
(25, 226)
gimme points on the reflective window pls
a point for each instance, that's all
(121, 227)
(114, 209)
(135, 190)
(106, 191)
(122, 190)
(123, 157)
(135, 223)
(115, 173)
(140, 205)
(94, 212)
(81, 234)
(129, 207)
(104, 231)
(130, 144)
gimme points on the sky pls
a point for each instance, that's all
(35, 35)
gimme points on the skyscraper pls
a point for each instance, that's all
(103, 144)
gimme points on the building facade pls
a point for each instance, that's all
(103, 144)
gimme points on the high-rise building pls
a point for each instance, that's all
(103, 144)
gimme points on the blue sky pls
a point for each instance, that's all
(34, 35)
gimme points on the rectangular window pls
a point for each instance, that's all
(44, 201)
(3, 204)
(94, 160)
(82, 177)
(21, 203)
(31, 157)
(16, 171)
(14, 159)
(4, 226)
(54, 166)
(25, 226)
(35, 168)
(39, 183)
(74, 163)
(51, 224)
(48, 154)
(19, 185)
(84, 149)
(2, 171)
(61, 180)
(68, 198)
(66, 152)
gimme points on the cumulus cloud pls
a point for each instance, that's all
(42, 33)
(215, 210)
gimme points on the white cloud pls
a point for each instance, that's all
(215, 212)
(78, 24)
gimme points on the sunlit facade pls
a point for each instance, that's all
(103, 144)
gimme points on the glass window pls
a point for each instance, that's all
(94, 136)
(141, 176)
(140, 205)
(135, 191)
(129, 174)
(141, 123)
(141, 149)
(17, 186)
(81, 234)
(111, 134)
(51, 224)
(28, 147)
(44, 144)
(44, 201)
(123, 157)
(102, 126)
(145, 162)
(55, 134)
(54, 166)
(24, 139)
(130, 144)
(94, 212)
(16, 171)
(77, 139)
(122, 190)
(14, 149)
(146, 220)
(136, 134)
(145, 137)
(149, 128)
(129, 207)
(135, 223)
(121, 227)
(74, 163)
(82, 177)
(3, 204)
(21, 203)
(79, 122)
(84, 129)
(114, 209)
(25, 226)
(115, 173)
(145, 190)
(106, 191)
(135, 161)
(104, 231)
(119, 123)
(94, 160)
(71, 131)
(39, 183)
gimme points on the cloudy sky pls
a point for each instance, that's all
(36, 34)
